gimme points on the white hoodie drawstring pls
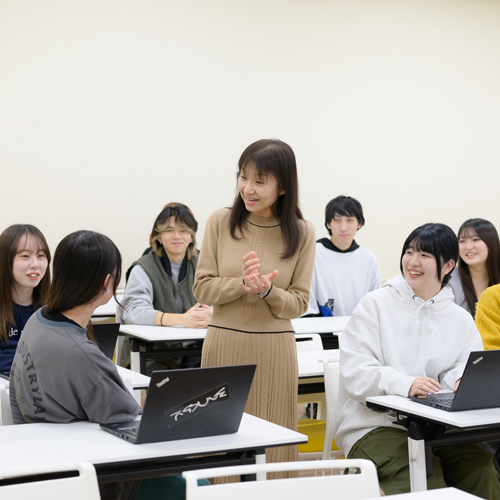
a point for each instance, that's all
(427, 306)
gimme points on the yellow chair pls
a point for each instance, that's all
(321, 433)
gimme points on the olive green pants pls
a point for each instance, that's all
(465, 466)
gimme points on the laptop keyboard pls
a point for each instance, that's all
(130, 430)
(441, 403)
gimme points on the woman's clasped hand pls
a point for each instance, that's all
(253, 281)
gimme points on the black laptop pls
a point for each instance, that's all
(106, 335)
(478, 389)
(189, 403)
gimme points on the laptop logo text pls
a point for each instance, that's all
(162, 382)
(198, 405)
(477, 360)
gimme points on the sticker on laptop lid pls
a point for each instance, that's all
(197, 405)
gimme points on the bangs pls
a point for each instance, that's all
(343, 211)
(260, 172)
(467, 230)
(183, 217)
(32, 243)
(424, 243)
(178, 222)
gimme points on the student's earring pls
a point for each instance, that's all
(106, 291)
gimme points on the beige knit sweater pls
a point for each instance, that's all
(219, 274)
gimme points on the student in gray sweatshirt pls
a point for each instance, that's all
(59, 374)
(410, 338)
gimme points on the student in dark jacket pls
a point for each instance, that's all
(24, 284)
(159, 287)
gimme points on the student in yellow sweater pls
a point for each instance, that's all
(488, 317)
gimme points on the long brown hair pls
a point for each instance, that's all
(276, 158)
(9, 242)
(487, 232)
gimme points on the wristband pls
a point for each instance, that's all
(263, 295)
(161, 319)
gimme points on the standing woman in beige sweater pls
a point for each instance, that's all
(255, 268)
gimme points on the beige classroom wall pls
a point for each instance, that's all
(111, 108)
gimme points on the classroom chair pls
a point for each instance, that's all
(75, 481)
(345, 486)
(308, 342)
(321, 433)
(5, 411)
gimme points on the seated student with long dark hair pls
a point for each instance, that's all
(478, 263)
(24, 284)
(409, 338)
(73, 379)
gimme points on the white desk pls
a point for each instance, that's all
(139, 381)
(476, 425)
(331, 324)
(441, 494)
(163, 333)
(151, 334)
(118, 460)
(4, 382)
(160, 333)
(106, 310)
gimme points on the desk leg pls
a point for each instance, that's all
(260, 458)
(416, 455)
(135, 356)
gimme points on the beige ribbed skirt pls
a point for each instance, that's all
(273, 395)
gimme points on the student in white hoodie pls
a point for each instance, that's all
(410, 338)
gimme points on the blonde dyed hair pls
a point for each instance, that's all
(184, 219)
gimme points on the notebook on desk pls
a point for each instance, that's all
(189, 403)
(478, 389)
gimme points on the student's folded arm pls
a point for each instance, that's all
(209, 287)
(138, 299)
(293, 302)
(110, 402)
(361, 367)
(448, 377)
